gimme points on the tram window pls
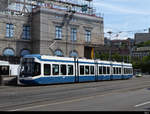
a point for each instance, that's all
(81, 70)
(4, 70)
(47, 69)
(55, 69)
(92, 69)
(128, 70)
(37, 69)
(100, 69)
(70, 69)
(87, 70)
(114, 70)
(63, 69)
(119, 70)
(104, 70)
(125, 71)
(108, 70)
(131, 70)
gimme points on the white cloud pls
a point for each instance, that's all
(120, 9)
(124, 15)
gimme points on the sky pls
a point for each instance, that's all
(124, 17)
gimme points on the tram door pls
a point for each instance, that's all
(96, 70)
(76, 64)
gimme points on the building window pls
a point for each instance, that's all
(9, 30)
(58, 32)
(73, 54)
(9, 52)
(26, 33)
(87, 35)
(58, 17)
(73, 34)
(58, 53)
(25, 52)
(74, 20)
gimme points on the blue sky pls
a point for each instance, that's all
(125, 16)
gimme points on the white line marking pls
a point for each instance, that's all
(148, 102)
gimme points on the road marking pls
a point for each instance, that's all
(138, 105)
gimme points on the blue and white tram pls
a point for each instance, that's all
(43, 69)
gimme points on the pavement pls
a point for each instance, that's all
(8, 80)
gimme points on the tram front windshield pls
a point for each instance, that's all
(29, 68)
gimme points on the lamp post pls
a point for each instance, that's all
(110, 46)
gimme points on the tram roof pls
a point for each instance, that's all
(71, 58)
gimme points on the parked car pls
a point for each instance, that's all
(138, 75)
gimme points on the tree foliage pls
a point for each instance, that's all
(143, 44)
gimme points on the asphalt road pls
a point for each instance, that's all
(120, 95)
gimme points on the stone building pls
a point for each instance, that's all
(15, 37)
(142, 37)
(139, 51)
(71, 33)
(50, 31)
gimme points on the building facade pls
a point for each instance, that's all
(142, 37)
(50, 31)
(140, 52)
(15, 37)
(65, 33)
(140, 49)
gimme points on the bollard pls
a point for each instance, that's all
(1, 80)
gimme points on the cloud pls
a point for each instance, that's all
(124, 15)
(120, 8)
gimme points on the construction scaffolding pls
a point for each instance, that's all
(21, 7)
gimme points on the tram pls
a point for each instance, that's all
(7, 69)
(38, 69)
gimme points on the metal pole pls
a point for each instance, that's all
(109, 32)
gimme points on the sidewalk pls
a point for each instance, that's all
(8, 80)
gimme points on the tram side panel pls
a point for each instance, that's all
(104, 71)
(86, 70)
(61, 73)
